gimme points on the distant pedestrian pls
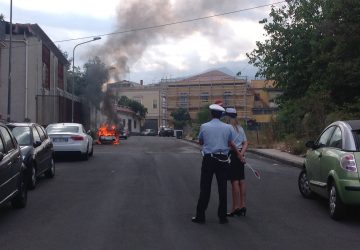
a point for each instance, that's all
(216, 137)
(237, 165)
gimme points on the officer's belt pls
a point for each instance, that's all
(220, 157)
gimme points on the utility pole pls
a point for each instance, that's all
(9, 75)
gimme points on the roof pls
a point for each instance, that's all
(211, 75)
(35, 30)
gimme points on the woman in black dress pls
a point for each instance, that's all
(236, 170)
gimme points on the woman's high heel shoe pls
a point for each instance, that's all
(235, 212)
(241, 211)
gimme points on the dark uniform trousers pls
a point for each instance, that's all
(211, 166)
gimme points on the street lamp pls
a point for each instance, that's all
(73, 75)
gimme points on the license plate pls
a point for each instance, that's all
(60, 139)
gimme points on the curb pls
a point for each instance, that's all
(277, 158)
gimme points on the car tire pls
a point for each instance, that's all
(50, 173)
(32, 177)
(303, 184)
(336, 207)
(20, 199)
(92, 151)
(85, 156)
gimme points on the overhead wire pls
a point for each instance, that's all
(173, 23)
(166, 24)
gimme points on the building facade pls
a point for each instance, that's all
(38, 78)
(264, 106)
(199, 91)
(147, 95)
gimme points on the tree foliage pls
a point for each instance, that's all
(135, 106)
(181, 117)
(312, 52)
(89, 83)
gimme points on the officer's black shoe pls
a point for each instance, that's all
(223, 221)
(198, 220)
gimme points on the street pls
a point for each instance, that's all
(142, 193)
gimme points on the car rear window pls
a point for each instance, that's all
(356, 134)
(22, 135)
(62, 129)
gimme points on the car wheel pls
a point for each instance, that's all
(32, 177)
(50, 173)
(20, 199)
(336, 207)
(92, 151)
(85, 156)
(304, 186)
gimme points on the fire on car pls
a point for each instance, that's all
(107, 134)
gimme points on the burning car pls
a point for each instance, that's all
(107, 134)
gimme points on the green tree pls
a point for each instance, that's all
(311, 51)
(181, 117)
(135, 106)
(2, 17)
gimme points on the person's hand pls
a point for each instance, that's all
(241, 156)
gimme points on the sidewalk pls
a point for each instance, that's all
(278, 155)
(274, 154)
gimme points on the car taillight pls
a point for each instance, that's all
(348, 163)
(77, 138)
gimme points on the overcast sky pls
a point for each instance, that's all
(150, 54)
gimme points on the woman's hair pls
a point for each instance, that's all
(235, 123)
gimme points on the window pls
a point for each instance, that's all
(204, 97)
(134, 124)
(22, 135)
(8, 141)
(41, 133)
(2, 146)
(183, 100)
(336, 139)
(324, 138)
(256, 97)
(227, 98)
(154, 104)
(36, 135)
(46, 67)
(60, 75)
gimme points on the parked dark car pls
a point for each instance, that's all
(124, 134)
(166, 132)
(12, 170)
(36, 149)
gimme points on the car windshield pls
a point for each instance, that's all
(356, 134)
(62, 129)
(22, 135)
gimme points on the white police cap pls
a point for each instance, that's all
(216, 107)
(231, 111)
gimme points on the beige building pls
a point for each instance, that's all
(38, 77)
(147, 95)
(201, 90)
(264, 106)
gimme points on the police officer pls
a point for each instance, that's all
(216, 137)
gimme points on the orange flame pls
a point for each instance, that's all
(107, 130)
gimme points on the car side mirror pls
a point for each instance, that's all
(310, 144)
(1, 156)
(37, 144)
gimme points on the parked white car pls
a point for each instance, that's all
(70, 138)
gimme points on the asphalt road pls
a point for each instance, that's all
(142, 193)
